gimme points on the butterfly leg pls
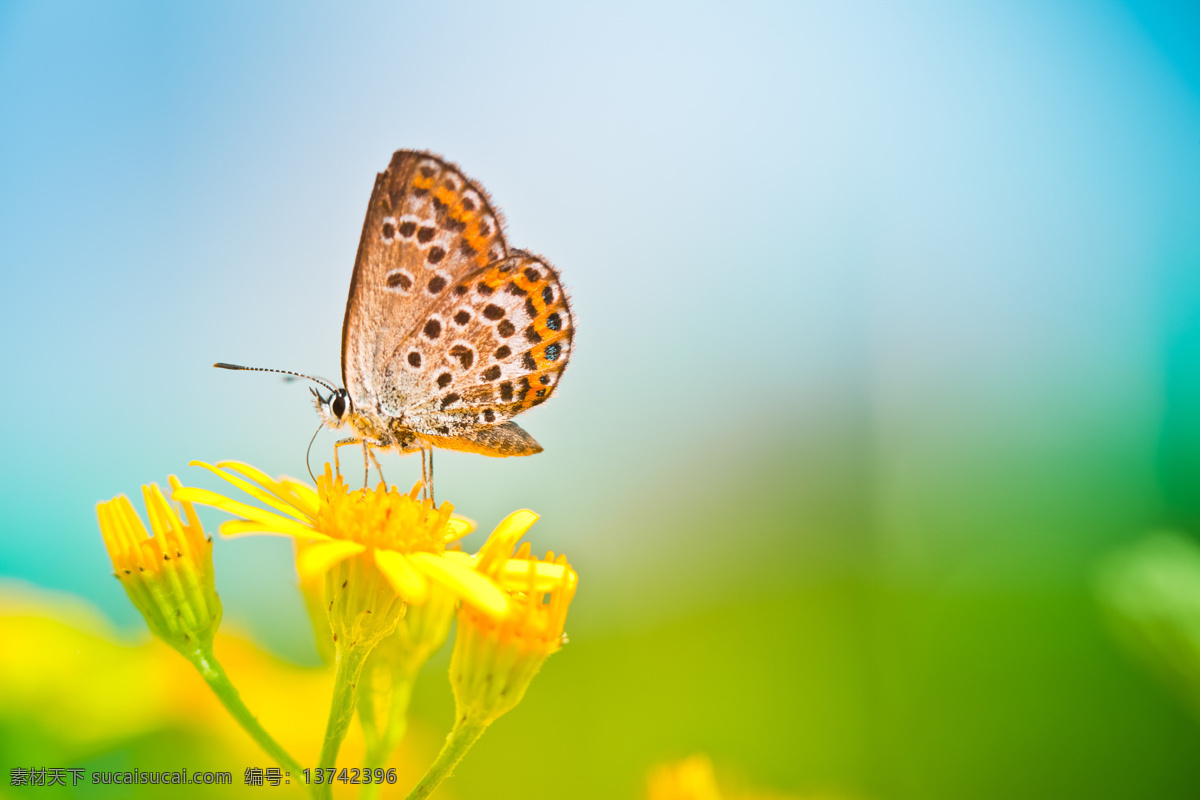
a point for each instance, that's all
(431, 478)
(378, 469)
(337, 467)
(424, 474)
(366, 448)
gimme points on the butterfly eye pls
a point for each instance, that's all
(338, 405)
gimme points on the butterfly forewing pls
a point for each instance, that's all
(426, 227)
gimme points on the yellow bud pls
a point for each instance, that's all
(496, 658)
(168, 576)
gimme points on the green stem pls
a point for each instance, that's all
(210, 669)
(397, 721)
(466, 732)
(341, 710)
(381, 745)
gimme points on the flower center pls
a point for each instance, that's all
(382, 518)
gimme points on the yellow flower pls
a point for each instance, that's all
(169, 575)
(495, 658)
(690, 779)
(693, 778)
(404, 538)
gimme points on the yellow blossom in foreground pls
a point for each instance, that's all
(78, 685)
(496, 658)
(402, 537)
(693, 778)
(690, 779)
(168, 576)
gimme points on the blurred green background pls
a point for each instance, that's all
(888, 335)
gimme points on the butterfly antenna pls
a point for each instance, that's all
(308, 452)
(326, 384)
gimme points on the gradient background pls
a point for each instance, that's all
(888, 332)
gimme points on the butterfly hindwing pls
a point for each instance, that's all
(504, 340)
(426, 226)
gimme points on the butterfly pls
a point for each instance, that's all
(448, 332)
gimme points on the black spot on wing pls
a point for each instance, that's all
(464, 354)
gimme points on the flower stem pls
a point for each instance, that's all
(203, 659)
(465, 733)
(341, 711)
(380, 746)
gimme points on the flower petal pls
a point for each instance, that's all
(514, 576)
(289, 490)
(515, 525)
(252, 490)
(246, 527)
(500, 544)
(457, 527)
(270, 522)
(408, 582)
(193, 520)
(305, 497)
(472, 587)
(316, 559)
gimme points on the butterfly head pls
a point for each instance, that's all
(335, 409)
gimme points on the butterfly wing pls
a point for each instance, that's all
(426, 227)
(504, 336)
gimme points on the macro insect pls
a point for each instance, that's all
(448, 332)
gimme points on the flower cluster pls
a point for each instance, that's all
(383, 573)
